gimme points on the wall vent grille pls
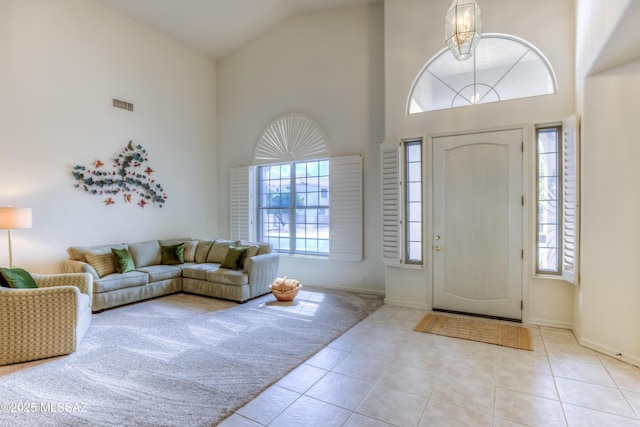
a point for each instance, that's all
(124, 105)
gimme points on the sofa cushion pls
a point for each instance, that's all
(18, 278)
(234, 260)
(204, 246)
(122, 260)
(102, 262)
(219, 250)
(78, 252)
(172, 255)
(227, 277)
(198, 271)
(190, 247)
(173, 241)
(158, 273)
(263, 247)
(146, 253)
(116, 281)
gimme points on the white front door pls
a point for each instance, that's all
(477, 223)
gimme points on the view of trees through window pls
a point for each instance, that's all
(293, 207)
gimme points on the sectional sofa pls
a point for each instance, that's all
(128, 272)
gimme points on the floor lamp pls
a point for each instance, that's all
(14, 218)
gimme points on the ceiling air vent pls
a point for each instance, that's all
(124, 105)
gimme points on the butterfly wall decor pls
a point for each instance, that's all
(127, 177)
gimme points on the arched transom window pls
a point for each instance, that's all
(503, 67)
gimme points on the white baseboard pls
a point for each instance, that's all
(405, 304)
(549, 323)
(344, 288)
(632, 360)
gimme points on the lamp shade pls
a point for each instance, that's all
(463, 27)
(15, 218)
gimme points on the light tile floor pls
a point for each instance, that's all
(382, 373)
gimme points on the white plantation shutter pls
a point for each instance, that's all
(570, 200)
(345, 202)
(391, 202)
(241, 206)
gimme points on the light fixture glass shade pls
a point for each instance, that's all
(463, 27)
(11, 218)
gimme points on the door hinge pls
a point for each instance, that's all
(522, 147)
(522, 199)
(522, 253)
(521, 305)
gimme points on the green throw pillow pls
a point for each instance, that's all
(123, 261)
(234, 260)
(173, 254)
(3, 282)
(18, 278)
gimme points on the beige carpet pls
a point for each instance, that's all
(180, 360)
(476, 330)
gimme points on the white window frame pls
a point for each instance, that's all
(570, 200)
(393, 166)
(345, 207)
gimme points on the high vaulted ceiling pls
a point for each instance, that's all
(217, 27)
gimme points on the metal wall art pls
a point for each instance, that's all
(127, 180)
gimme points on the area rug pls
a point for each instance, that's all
(180, 360)
(476, 330)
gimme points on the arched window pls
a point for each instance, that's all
(296, 196)
(503, 67)
(292, 137)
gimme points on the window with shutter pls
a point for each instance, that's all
(391, 203)
(296, 196)
(570, 201)
(241, 183)
(558, 197)
(346, 208)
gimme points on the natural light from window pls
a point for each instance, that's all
(293, 207)
(503, 67)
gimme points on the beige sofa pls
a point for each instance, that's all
(46, 321)
(201, 272)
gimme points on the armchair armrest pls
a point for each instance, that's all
(82, 281)
(38, 323)
(73, 266)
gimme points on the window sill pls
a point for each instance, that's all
(304, 256)
(546, 276)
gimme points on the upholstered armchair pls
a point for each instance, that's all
(46, 321)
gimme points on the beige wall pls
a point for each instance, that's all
(328, 65)
(414, 32)
(607, 317)
(62, 60)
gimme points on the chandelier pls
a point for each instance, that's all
(463, 26)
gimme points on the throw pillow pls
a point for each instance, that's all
(123, 260)
(235, 258)
(252, 250)
(219, 250)
(18, 278)
(102, 262)
(204, 246)
(190, 247)
(172, 255)
(3, 282)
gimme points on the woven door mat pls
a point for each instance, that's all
(476, 330)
